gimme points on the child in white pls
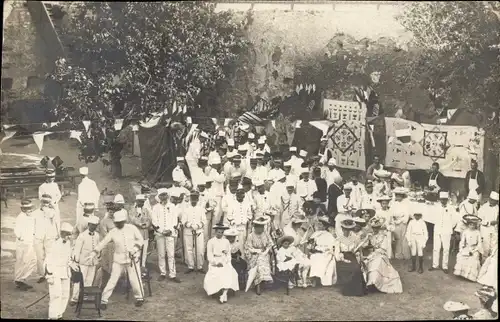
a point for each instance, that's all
(443, 228)
(417, 235)
(289, 256)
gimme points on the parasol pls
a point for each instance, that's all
(252, 273)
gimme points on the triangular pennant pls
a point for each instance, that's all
(298, 123)
(38, 137)
(174, 108)
(135, 127)
(189, 120)
(301, 87)
(8, 126)
(214, 120)
(273, 123)
(86, 124)
(8, 135)
(450, 113)
(314, 88)
(75, 135)
(167, 122)
(118, 124)
(227, 121)
(297, 89)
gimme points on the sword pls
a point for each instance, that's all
(139, 279)
(27, 307)
(195, 252)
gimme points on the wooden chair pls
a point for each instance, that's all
(284, 277)
(88, 294)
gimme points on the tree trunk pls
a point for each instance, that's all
(115, 157)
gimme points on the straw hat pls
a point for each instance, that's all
(220, 226)
(471, 219)
(363, 212)
(376, 222)
(67, 227)
(384, 198)
(288, 238)
(120, 215)
(231, 232)
(452, 306)
(26, 204)
(261, 221)
(348, 224)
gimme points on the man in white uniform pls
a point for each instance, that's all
(291, 203)
(445, 221)
(164, 220)
(489, 223)
(51, 188)
(128, 242)
(87, 192)
(194, 222)
(332, 175)
(239, 213)
(57, 273)
(25, 250)
(305, 186)
(84, 245)
(218, 181)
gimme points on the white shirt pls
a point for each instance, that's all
(357, 193)
(445, 220)
(306, 188)
(218, 251)
(48, 223)
(177, 171)
(51, 189)
(88, 192)
(25, 228)
(58, 259)
(262, 203)
(296, 164)
(369, 201)
(239, 213)
(218, 182)
(84, 245)
(417, 229)
(344, 204)
(276, 192)
(226, 200)
(193, 152)
(194, 218)
(401, 212)
(127, 240)
(166, 217)
(291, 204)
(487, 214)
(332, 176)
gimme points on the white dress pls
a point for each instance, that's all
(218, 278)
(323, 263)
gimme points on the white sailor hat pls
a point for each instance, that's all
(175, 193)
(65, 226)
(242, 148)
(261, 141)
(162, 191)
(290, 182)
(347, 186)
(303, 153)
(120, 215)
(179, 159)
(93, 220)
(443, 195)
(140, 197)
(177, 176)
(452, 306)
(203, 158)
(263, 137)
(215, 159)
(230, 142)
(84, 171)
(293, 149)
(89, 206)
(304, 170)
(119, 199)
(494, 195)
(251, 135)
(258, 182)
(332, 162)
(287, 163)
(279, 174)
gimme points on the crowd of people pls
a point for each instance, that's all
(255, 215)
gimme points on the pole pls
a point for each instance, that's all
(134, 264)
(195, 252)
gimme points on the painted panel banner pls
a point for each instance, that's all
(347, 134)
(412, 146)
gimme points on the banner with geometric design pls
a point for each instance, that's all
(452, 146)
(347, 134)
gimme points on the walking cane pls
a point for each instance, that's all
(195, 252)
(134, 265)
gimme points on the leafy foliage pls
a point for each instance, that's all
(130, 60)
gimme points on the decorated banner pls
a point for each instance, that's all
(412, 146)
(347, 134)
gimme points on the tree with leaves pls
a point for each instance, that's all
(458, 58)
(129, 60)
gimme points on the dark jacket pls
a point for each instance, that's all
(334, 191)
(480, 181)
(322, 189)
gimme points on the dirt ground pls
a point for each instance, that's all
(423, 297)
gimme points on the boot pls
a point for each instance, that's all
(413, 264)
(420, 264)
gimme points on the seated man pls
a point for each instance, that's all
(291, 258)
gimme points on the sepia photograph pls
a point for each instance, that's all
(236, 161)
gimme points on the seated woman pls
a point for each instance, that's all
(488, 275)
(291, 258)
(257, 247)
(487, 297)
(221, 275)
(380, 272)
(296, 230)
(322, 257)
(239, 264)
(468, 264)
(350, 275)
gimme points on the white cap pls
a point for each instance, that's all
(230, 142)
(140, 197)
(443, 195)
(263, 137)
(65, 226)
(93, 220)
(162, 191)
(176, 176)
(242, 148)
(279, 174)
(290, 182)
(204, 158)
(175, 193)
(204, 135)
(119, 199)
(473, 195)
(287, 163)
(251, 136)
(332, 161)
(348, 186)
(303, 153)
(84, 171)
(293, 149)
(261, 141)
(215, 159)
(304, 170)
(245, 127)
(222, 133)
(258, 182)
(179, 159)
(120, 215)
(494, 195)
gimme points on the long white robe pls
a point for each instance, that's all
(25, 250)
(87, 192)
(323, 264)
(217, 278)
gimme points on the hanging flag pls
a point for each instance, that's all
(273, 123)
(118, 124)
(298, 123)
(8, 135)
(52, 124)
(250, 118)
(8, 126)
(86, 124)
(38, 137)
(174, 108)
(75, 135)
(226, 121)
(135, 128)
(189, 120)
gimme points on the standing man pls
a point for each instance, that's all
(489, 223)
(446, 220)
(325, 152)
(306, 187)
(141, 219)
(474, 180)
(164, 221)
(194, 222)
(51, 188)
(84, 245)
(218, 178)
(87, 192)
(83, 222)
(128, 242)
(332, 175)
(239, 213)
(25, 250)
(437, 180)
(57, 273)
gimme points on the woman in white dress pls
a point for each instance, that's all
(468, 264)
(289, 257)
(385, 213)
(321, 243)
(488, 275)
(221, 275)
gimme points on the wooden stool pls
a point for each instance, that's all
(88, 294)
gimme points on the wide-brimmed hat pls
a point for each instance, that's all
(452, 306)
(376, 222)
(288, 238)
(93, 220)
(325, 220)
(486, 293)
(26, 204)
(220, 226)
(400, 191)
(471, 219)
(261, 221)
(382, 173)
(299, 219)
(348, 224)
(46, 198)
(363, 212)
(231, 232)
(384, 198)
(359, 220)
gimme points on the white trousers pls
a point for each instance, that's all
(88, 273)
(134, 277)
(41, 248)
(144, 254)
(441, 241)
(488, 240)
(166, 246)
(25, 261)
(194, 254)
(58, 297)
(416, 246)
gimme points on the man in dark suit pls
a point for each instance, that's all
(474, 180)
